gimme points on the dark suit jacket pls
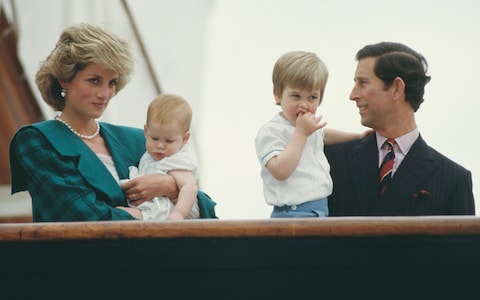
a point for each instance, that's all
(426, 182)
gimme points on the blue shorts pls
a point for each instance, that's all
(310, 209)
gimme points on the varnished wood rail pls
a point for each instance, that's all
(329, 227)
(331, 258)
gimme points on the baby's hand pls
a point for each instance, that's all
(175, 215)
(308, 123)
(135, 212)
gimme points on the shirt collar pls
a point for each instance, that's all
(404, 142)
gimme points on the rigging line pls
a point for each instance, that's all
(13, 24)
(149, 65)
(142, 47)
(15, 18)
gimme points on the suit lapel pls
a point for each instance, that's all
(416, 167)
(363, 161)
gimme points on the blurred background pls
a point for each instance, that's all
(220, 54)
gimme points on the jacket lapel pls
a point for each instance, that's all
(363, 161)
(89, 165)
(416, 167)
(121, 155)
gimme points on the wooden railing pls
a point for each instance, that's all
(331, 258)
(330, 227)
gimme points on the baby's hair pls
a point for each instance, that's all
(168, 108)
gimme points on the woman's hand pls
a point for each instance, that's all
(146, 187)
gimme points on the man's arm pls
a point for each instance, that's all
(334, 136)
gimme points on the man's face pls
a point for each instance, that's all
(369, 93)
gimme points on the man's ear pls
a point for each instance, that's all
(398, 87)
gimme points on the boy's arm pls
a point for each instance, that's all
(283, 165)
(187, 186)
(333, 136)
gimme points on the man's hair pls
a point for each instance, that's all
(397, 60)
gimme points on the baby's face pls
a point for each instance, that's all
(295, 102)
(164, 139)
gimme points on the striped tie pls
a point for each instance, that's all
(387, 166)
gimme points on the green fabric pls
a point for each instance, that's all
(68, 182)
(206, 205)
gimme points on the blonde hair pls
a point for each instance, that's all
(299, 69)
(79, 46)
(168, 108)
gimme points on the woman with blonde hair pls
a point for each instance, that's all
(71, 165)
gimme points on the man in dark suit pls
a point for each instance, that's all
(389, 85)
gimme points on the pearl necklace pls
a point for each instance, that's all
(82, 136)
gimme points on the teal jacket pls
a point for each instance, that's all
(68, 182)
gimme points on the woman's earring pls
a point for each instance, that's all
(63, 92)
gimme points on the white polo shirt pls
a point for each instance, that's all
(311, 179)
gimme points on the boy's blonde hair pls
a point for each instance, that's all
(170, 108)
(299, 70)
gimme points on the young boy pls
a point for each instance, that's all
(295, 172)
(167, 132)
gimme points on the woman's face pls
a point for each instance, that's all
(90, 91)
